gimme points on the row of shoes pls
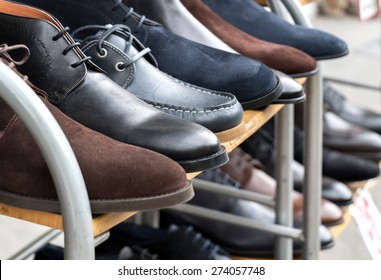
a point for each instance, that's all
(133, 98)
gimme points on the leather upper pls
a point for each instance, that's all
(348, 111)
(217, 111)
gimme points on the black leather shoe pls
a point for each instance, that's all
(261, 147)
(254, 84)
(250, 17)
(77, 87)
(170, 243)
(239, 241)
(292, 92)
(132, 66)
(342, 136)
(338, 104)
(340, 166)
(332, 189)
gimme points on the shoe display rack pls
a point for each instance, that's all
(81, 227)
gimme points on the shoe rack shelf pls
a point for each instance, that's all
(253, 120)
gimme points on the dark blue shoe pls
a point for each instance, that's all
(250, 17)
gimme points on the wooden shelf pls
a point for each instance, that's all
(253, 120)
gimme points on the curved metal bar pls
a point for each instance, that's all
(64, 168)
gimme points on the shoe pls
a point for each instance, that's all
(292, 93)
(251, 18)
(338, 104)
(132, 66)
(52, 252)
(80, 89)
(176, 18)
(261, 147)
(119, 187)
(340, 135)
(337, 165)
(280, 57)
(254, 84)
(171, 243)
(238, 241)
(332, 190)
(247, 171)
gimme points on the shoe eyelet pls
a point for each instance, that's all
(119, 67)
(102, 53)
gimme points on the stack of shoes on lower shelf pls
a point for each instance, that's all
(134, 242)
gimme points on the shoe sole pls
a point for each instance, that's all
(102, 206)
(209, 162)
(295, 100)
(325, 57)
(264, 100)
(232, 134)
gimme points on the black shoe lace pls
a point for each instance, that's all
(6, 58)
(129, 13)
(70, 47)
(119, 29)
(205, 246)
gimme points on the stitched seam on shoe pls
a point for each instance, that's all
(191, 111)
(9, 125)
(221, 94)
(123, 54)
(41, 43)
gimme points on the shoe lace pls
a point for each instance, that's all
(129, 13)
(8, 60)
(107, 30)
(62, 33)
(204, 245)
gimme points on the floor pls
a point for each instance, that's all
(363, 65)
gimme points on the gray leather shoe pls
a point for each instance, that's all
(343, 136)
(350, 112)
(131, 65)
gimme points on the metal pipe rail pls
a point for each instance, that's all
(64, 168)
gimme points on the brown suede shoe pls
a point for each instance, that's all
(243, 168)
(286, 59)
(119, 177)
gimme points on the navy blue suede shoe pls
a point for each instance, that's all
(254, 84)
(250, 17)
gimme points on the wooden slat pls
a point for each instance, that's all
(253, 120)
